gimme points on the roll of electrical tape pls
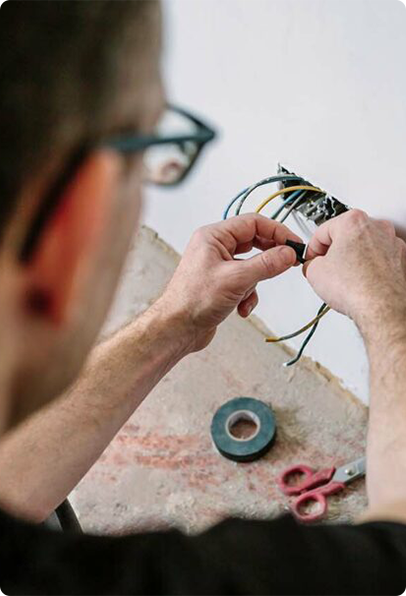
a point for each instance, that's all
(243, 408)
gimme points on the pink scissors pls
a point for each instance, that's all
(317, 486)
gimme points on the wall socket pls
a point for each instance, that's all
(315, 207)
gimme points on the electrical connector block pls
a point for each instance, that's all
(314, 207)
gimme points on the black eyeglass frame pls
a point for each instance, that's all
(133, 143)
(125, 144)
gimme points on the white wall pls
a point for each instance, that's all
(318, 85)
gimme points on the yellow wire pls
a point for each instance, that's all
(283, 191)
(261, 206)
(302, 330)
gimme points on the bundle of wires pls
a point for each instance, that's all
(294, 193)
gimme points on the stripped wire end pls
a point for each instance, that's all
(323, 311)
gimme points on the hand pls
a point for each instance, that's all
(357, 266)
(210, 282)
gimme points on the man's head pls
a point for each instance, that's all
(71, 75)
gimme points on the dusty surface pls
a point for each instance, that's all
(162, 468)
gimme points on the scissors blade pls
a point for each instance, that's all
(351, 471)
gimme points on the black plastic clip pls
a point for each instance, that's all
(299, 249)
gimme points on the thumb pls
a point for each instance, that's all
(305, 267)
(309, 266)
(269, 263)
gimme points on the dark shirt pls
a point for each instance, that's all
(233, 557)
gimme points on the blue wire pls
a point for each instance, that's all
(226, 212)
(293, 206)
(279, 178)
(306, 339)
(247, 191)
(291, 198)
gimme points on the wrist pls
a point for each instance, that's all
(174, 325)
(383, 324)
(192, 334)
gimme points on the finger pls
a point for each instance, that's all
(260, 243)
(267, 264)
(244, 228)
(244, 247)
(327, 232)
(308, 265)
(246, 307)
(263, 243)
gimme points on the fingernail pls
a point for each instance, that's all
(288, 255)
(249, 310)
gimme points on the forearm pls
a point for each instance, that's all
(386, 446)
(53, 450)
(44, 458)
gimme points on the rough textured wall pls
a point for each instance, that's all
(162, 468)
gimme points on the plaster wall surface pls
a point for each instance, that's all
(318, 85)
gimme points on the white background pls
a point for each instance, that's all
(318, 85)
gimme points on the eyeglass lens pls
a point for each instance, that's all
(166, 164)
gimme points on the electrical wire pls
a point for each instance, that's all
(293, 202)
(227, 210)
(301, 224)
(269, 180)
(284, 191)
(299, 331)
(299, 191)
(306, 340)
(293, 205)
(284, 203)
(323, 309)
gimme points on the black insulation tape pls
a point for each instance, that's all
(243, 449)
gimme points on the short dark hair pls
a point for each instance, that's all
(65, 69)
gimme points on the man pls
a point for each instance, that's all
(75, 78)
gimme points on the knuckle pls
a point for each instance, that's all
(246, 220)
(269, 264)
(357, 217)
(258, 216)
(200, 233)
(388, 227)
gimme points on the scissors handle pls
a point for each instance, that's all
(318, 495)
(311, 479)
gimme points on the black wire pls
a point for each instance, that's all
(321, 309)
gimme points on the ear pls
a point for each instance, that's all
(72, 237)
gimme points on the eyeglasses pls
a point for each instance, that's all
(172, 150)
(169, 154)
